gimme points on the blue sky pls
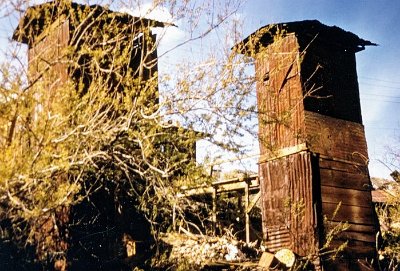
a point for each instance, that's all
(377, 67)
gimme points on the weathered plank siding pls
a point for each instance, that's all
(48, 50)
(344, 179)
(47, 64)
(347, 184)
(336, 138)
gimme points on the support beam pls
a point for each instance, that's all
(246, 206)
(174, 217)
(214, 210)
(253, 202)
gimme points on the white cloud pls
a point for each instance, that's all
(168, 36)
(150, 11)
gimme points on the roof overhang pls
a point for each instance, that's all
(38, 17)
(307, 31)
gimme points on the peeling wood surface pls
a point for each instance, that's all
(335, 138)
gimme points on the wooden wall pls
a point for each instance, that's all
(348, 185)
(47, 51)
(329, 79)
(314, 155)
(336, 138)
(279, 96)
(344, 181)
(48, 70)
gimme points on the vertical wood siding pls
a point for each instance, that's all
(47, 54)
(48, 70)
(279, 96)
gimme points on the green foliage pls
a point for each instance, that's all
(389, 218)
(88, 117)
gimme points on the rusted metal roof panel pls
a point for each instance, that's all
(381, 196)
(39, 17)
(287, 202)
(308, 31)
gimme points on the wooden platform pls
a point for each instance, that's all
(249, 184)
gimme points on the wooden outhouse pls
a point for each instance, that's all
(66, 40)
(313, 167)
(72, 45)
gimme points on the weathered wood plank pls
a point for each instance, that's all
(359, 236)
(357, 227)
(253, 202)
(222, 186)
(353, 214)
(343, 165)
(233, 186)
(356, 249)
(273, 155)
(342, 179)
(336, 138)
(346, 196)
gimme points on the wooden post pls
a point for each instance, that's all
(174, 217)
(246, 207)
(214, 210)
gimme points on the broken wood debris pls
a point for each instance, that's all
(202, 252)
(199, 251)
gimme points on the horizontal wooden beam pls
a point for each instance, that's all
(351, 162)
(282, 153)
(222, 186)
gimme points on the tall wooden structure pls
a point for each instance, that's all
(75, 43)
(313, 168)
(72, 45)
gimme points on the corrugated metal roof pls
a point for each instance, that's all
(40, 16)
(380, 196)
(308, 30)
